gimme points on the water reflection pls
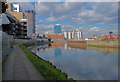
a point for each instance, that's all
(58, 52)
(79, 63)
(105, 51)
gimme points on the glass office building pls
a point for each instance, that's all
(57, 29)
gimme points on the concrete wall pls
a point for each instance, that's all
(6, 42)
(29, 29)
(0, 46)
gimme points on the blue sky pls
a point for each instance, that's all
(89, 17)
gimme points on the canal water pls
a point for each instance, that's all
(80, 63)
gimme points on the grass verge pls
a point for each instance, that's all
(99, 46)
(15, 43)
(46, 68)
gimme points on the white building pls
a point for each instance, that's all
(69, 35)
(89, 39)
(73, 35)
(16, 7)
(65, 35)
(78, 35)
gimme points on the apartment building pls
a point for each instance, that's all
(73, 35)
(16, 11)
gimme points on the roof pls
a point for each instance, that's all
(91, 38)
(4, 19)
(13, 17)
(29, 11)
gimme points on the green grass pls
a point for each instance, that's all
(46, 68)
(15, 43)
(93, 45)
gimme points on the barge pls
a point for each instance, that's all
(77, 44)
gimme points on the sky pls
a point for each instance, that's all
(89, 17)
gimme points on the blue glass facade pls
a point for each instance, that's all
(58, 52)
(57, 29)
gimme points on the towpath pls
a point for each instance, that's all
(18, 67)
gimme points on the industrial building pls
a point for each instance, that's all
(57, 37)
(73, 35)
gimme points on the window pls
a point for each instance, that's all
(15, 9)
(7, 7)
(7, 10)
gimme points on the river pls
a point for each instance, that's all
(79, 63)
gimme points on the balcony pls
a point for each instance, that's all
(24, 29)
(23, 20)
(23, 24)
(25, 33)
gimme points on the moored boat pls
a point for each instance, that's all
(77, 44)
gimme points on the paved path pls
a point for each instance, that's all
(18, 67)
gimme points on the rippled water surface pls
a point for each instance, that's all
(81, 64)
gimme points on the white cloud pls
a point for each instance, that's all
(40, 21)
(68, 27)
(43, 28)
(51, 19)
(65, 0)
(80, 28)
(86, 32)
(57, 9)
(32, 0)
(102, 13)
(94, 29)
(92, 0)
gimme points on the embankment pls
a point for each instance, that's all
(108, 44)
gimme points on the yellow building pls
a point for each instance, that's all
(18, 14)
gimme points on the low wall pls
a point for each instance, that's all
(25, 41)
